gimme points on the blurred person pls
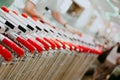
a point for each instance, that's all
(116, 72)
(106, 68)
(106, 51)
(38, 8)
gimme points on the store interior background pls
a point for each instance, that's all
(97, 18)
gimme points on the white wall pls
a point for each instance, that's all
(84, 18)
(86, 14)
(98, 24)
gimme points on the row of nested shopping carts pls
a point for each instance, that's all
(33, 50)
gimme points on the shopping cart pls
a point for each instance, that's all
(33, 50)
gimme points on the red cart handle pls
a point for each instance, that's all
(5, 9)
(7, 55)
(69, 45)
(46, 46)
(29, 46)
(80, 48)
(73, 46)
(53, 45)
(57, 44)
(19, 51)
(13, 46)
(24, 15)
(63, 44)
(37, 46)
(15, 12)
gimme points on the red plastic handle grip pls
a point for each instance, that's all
(57, 44)
(24, 42)
(46, 46)
(7, 55)
(86, 49)
(19, 51)
(75, 47)
(80, 48)
(24, 15)
(70, 46)
(5, 9)
(15, 12)
(92, 51)
(64, 47)
(99, 52)
(37, 46)
(34, 18)
(53, 45)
